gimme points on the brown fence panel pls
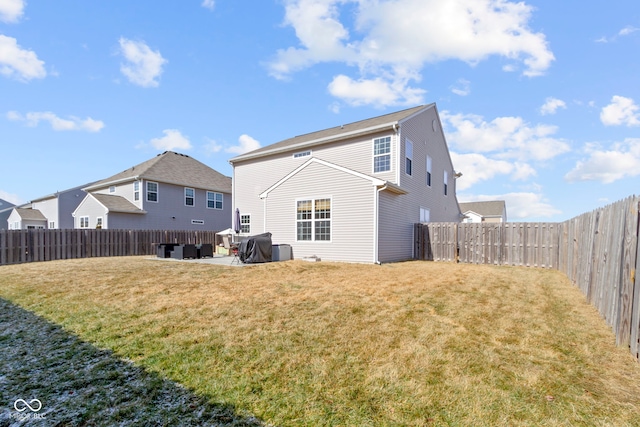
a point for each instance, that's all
(598, 251)
(20, 246)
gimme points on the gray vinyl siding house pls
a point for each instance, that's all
(58, 207)
(350, 193)
(171, 191)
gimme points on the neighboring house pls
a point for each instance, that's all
(26, 218)
(171, 191)
(5, 211)
(352, 192)
(492, 211)
(58, 208)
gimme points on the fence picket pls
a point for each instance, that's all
(598, 251)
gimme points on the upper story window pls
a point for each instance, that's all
(112, 189)
(382, 154)
(84, 222)
(152, 191)
(408, 153)
(428, 171)
(446, 183)
(189, 197)
(136, 190)
(214, 200)
(302, 154)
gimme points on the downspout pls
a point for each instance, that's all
(396, 130)
(376, 218)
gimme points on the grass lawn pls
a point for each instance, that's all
(319, 344)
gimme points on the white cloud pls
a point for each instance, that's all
(18, 63)
(11, 198)
(621, 111)
(551, 105)
(620, 161)
(245, 144)
(376, 91)
(387, 44)
(628, 30)
(11, 10)
(208, 4)
(32, 119)
(506, 137)
(212, 146)
(172, 140)
(476, 168)
(519, 205)
(143, 66)
(462, 87)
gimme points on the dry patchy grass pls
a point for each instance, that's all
(298, 343)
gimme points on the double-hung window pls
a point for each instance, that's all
(245, 223)
(214, 200)
(136, 190)
(408, 153)
(313, 220)
(84, 222)
(189, 197)
(152, 191)
(382, 154)
(446, 183)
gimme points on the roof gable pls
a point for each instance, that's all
(334, 134)
(115, 203)
(30, 214)
(172, 168)
(374, 181)
(490, 208)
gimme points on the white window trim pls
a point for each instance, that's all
(408, 143)
(429, 176)
(299, 154)
(146, 187)
(373, 151)
(99, 222)
(215, 193)
(425, 212)
(136, 191)
(446, 183)
(84, 221)
(193, 205)
(242, 216)
(313, 219)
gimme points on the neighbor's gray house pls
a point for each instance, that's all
(352, 192)
(26, 218)
(171, 191)
(5, 211)
(490, 211)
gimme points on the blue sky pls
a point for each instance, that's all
(540, 100)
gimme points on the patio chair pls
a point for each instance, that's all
(232, 248)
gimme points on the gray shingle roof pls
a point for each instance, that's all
(491, 208)
(117, 203)
(332, 134)
(30, 214)
(172, 168)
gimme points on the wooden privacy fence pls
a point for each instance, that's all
(19, 246)
(598, 251)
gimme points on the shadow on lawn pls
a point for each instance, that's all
(77, 384)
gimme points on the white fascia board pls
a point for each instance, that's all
(110, 183)
(374, 181)
(314, 142)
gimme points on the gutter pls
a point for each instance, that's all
(314, 142)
